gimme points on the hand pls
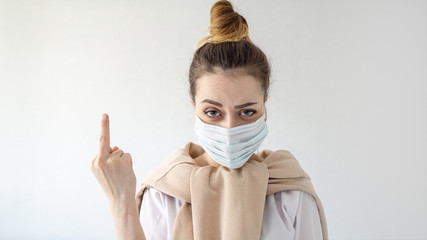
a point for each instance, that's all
(113, 168)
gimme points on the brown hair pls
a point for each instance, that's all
(228, 47)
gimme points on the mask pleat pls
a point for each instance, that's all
(231, 147)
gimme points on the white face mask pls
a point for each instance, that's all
(231, 147)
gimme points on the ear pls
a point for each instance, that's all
(194, 104)
(265, 99)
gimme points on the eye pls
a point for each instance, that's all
(247, 113)
(212, 113)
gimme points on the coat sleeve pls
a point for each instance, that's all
(307, 220)
(152, 215)
(157, 215)
(291, 214)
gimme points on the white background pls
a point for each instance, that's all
(348, 99)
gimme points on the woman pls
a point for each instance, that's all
(221, 189)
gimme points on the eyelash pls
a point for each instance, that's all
(246, 110)
(209, 111)
(249, 110)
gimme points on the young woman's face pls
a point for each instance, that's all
(228, 100)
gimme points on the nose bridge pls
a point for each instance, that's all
(230, 121)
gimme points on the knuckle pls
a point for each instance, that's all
(117, 151)
(94, 166)
(96, 163)
(127, 157)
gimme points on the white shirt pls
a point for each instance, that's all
(290, 214)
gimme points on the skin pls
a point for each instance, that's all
(226, 99)
(113, 170)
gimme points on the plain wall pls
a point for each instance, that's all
(348, 100)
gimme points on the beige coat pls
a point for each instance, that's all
(223, 203)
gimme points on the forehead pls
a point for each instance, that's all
(229, 86)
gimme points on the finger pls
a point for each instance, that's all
(128, 157)
(118, 153)
(113, 149)
(104, 140)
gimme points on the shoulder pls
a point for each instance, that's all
(286, 200)
(291, 202)
(157, 202)
(294, 198)
(280, 161)
(156, 196)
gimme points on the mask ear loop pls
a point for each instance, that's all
(265, 114)
(265, 119)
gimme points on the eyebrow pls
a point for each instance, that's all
(237, 106)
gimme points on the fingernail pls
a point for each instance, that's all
(104, 116)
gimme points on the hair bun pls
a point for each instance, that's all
(226, 25)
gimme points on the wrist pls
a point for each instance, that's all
(126, 219)
(123, 206)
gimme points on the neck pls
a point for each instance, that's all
(206, 160)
